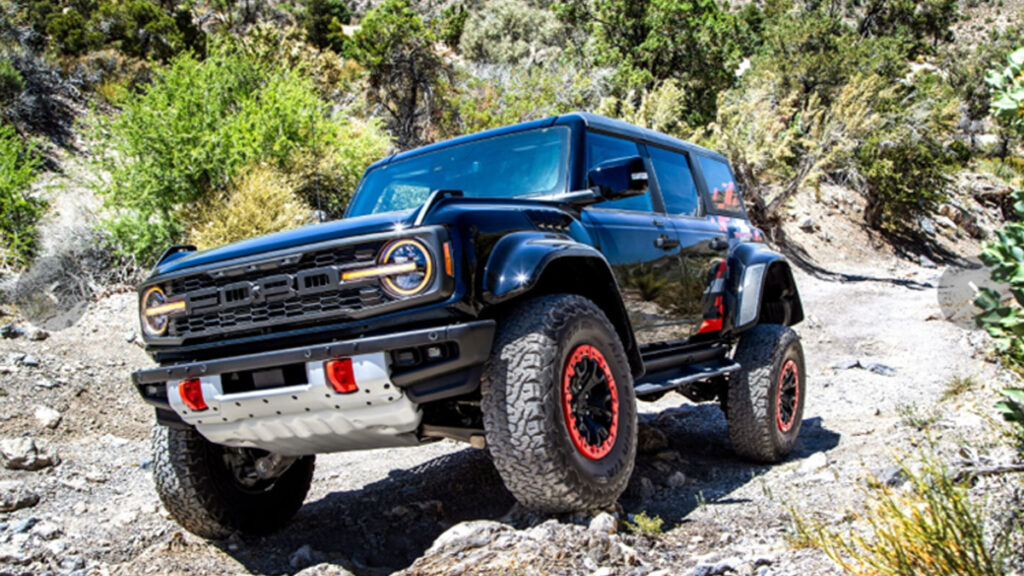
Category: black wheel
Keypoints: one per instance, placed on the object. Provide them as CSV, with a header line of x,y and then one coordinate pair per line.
x,y
558,406
765,404
213,490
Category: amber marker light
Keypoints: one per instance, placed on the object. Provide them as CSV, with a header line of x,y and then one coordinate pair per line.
x,y
448,266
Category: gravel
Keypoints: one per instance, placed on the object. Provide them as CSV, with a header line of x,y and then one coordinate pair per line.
x,y
441,508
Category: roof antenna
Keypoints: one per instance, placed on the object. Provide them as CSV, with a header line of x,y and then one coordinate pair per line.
x,y
316,169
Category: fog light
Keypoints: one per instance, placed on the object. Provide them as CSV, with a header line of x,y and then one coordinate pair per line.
x,y
434,353
340,375
191,392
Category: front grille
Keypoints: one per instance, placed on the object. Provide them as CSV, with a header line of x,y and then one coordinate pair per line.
x,y
213,311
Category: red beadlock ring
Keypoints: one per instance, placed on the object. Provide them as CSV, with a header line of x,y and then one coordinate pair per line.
x,y
789,380
571,409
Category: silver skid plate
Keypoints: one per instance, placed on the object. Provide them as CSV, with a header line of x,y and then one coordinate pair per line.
x,y
309,418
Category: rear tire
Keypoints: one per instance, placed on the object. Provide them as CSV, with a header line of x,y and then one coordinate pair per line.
x,y
200,491
558,406
765,404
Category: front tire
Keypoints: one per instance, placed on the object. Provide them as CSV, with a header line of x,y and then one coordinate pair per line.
x,y
765,405
200,490
558,406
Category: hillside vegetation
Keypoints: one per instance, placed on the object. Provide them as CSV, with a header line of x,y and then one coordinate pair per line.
x,y
175,107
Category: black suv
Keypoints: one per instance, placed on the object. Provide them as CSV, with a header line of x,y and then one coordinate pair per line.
x,y
516,289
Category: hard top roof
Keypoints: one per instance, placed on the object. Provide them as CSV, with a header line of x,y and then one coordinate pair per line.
x,y
587,119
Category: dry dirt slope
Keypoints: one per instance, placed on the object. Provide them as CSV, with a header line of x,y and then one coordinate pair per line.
x,y
378,512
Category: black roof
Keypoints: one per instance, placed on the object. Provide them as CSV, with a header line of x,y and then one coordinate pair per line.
x,y
594,121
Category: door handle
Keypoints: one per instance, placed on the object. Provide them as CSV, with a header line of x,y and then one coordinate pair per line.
x,y
719,243
665,242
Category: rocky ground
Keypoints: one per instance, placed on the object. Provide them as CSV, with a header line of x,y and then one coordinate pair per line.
x,y
887,367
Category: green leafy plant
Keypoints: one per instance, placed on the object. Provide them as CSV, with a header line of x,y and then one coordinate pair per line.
x,y
646,525
1007,87
931,527
19,211
1012,409
1004,319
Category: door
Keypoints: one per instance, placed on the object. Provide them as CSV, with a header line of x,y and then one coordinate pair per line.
x,y
697,297
641,246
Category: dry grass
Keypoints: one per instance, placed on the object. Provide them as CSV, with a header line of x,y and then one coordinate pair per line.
x,y
261,201
930,526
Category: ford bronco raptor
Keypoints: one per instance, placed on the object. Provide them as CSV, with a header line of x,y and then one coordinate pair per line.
x,y
517,289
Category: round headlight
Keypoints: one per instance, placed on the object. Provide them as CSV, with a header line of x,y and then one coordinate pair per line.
x,y
417,264
153,302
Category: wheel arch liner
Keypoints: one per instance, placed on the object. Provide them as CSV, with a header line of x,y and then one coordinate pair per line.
x,y
752,268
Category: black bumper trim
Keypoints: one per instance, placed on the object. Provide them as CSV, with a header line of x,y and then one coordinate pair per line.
x,y
474,340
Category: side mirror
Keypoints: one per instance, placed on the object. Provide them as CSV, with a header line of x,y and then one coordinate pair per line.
x,y
619,177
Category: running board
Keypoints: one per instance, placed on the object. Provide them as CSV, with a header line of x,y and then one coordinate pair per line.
x,y
691,374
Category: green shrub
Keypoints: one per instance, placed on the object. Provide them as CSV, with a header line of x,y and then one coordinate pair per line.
x,y
662,108
510,32
191,132
515,94
328,174
905,174
933,527
323,21
814,53
137,28
261,200
967,67
19,211
407,76
452,24
11,82
919,25
694,43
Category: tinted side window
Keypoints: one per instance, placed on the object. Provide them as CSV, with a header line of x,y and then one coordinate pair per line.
x,y
601,148
722,186
675,180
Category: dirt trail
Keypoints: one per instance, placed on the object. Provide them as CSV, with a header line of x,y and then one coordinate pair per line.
x,y
378,512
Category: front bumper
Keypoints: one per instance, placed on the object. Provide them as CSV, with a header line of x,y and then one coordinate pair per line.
x,y
310,417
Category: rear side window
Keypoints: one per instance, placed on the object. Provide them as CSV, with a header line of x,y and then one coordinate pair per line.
x,y
601,148
675,181
725,199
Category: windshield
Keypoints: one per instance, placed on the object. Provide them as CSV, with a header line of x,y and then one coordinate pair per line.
x,y
528,163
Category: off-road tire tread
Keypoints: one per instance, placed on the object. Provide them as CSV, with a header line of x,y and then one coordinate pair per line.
x,y
520,390
184,482
749,415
